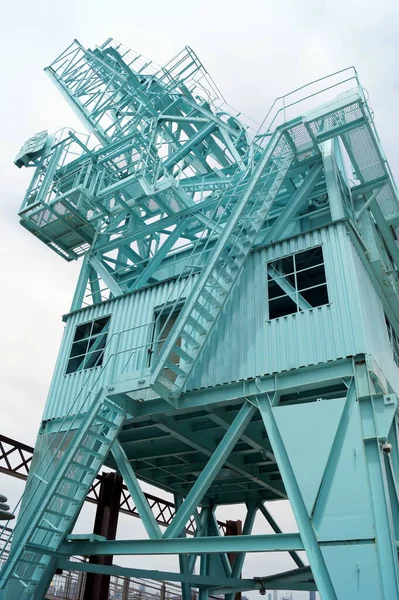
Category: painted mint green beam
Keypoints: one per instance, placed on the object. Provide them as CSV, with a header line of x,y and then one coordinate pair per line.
x,y
313,550
288,288
252,509
212,468
277,529
386,548
174,236
294,205
135,491
201,581
235,543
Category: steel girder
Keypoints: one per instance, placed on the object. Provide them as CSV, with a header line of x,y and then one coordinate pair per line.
x,y
355,435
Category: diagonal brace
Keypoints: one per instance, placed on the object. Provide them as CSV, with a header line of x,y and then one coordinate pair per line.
x,y
277,529
212,468
105,275
294,205
135,491
288,288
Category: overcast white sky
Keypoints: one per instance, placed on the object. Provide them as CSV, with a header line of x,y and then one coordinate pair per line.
x,y
254,49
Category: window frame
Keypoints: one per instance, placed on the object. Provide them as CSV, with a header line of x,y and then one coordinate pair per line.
x,y
88,340
393,340
296,287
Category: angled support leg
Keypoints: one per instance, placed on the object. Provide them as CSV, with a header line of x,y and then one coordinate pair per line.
x,y
386,546
105,275
252,508
212,468
183,558
277,529
309,539
135,491
214,530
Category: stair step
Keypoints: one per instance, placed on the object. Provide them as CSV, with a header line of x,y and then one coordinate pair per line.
x,y
53,530
201,310
97,436
82,466
57,513
70,499
195,325
230,260
221,272
175,368
189,339
217,284
91,451
210,299
24,582
105,421
240,249
183,354
74,482
31,562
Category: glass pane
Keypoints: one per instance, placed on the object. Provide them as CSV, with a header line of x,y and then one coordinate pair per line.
x,y
79,348
284,265
94,359
97,342
316,296
274,290
311,277
281,307
309,258
74,364
99,324
82,331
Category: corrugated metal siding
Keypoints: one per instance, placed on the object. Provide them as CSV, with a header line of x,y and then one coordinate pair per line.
x,y
245,344
374,326
130,327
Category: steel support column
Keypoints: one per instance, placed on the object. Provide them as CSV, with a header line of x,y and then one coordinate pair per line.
x,y
234,528
106,521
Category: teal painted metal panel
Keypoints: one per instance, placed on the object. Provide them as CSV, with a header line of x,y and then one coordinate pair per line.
x,y
256,346
373,324
245,344
130,333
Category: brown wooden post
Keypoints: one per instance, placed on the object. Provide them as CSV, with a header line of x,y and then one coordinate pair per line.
x,y
233,528
105,523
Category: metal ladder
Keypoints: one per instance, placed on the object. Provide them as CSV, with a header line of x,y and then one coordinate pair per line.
x,y
217,278
54,511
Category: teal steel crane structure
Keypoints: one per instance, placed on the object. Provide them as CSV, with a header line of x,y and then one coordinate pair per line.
x,y
234,333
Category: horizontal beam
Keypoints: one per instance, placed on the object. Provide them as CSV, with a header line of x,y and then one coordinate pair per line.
x,y
15,460
281,542
200,581
306,378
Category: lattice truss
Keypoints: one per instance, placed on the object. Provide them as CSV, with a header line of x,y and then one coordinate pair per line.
x,y
155,176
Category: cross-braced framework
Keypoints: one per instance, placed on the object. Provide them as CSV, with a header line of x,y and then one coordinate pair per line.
x,y
232,337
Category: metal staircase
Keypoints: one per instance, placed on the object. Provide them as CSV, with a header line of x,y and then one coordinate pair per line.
x,y
53,511
223,267
294,140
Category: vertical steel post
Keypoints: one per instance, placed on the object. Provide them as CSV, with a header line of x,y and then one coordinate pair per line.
x,y
233,528
106,521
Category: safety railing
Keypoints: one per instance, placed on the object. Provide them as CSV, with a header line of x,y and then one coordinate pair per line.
x,y
310,96
70,585
97,378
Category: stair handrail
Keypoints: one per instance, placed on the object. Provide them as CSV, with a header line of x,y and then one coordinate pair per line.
x,y
75,414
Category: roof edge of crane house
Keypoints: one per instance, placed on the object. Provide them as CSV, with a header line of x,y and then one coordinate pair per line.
x,y
234,333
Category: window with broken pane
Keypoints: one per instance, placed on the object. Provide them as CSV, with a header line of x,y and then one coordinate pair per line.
x,y
296,283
